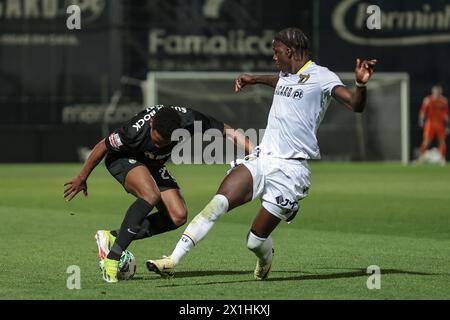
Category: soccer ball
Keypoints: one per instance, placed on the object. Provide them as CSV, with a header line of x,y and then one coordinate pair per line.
x,y
127,266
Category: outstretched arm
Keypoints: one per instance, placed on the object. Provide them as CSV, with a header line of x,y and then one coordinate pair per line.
x,y
238,138
244,79
72,187
356,101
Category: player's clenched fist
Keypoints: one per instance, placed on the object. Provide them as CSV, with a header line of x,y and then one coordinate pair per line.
x,y
364,70
242,81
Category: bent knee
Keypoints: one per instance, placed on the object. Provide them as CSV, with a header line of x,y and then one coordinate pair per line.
x,y
179,217
151,197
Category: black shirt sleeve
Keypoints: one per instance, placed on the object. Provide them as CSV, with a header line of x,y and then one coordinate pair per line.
x,y
207,122
130,136
122,140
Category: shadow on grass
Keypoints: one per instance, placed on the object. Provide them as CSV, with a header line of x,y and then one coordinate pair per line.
x,y
192,274
302,276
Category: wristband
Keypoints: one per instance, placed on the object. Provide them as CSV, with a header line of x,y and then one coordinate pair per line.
x,y
360,85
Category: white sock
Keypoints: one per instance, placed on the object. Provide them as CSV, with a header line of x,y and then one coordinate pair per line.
x,y
200,226
261,247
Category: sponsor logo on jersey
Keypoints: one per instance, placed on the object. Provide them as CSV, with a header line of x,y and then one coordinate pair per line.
x,y
298,94
284,91
288,91
151,113
114,141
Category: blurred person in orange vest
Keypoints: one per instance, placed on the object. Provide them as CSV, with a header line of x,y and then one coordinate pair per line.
x,y
433,118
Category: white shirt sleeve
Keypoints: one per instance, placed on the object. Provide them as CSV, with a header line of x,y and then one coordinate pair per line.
x,y
328,81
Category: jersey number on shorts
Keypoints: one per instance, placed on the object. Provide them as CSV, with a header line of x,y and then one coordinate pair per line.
x,y
285,202
165,174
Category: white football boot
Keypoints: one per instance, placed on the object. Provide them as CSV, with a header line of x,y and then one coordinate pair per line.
x,y
262,270
164,267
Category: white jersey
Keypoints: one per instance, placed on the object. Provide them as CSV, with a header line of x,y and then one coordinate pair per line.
x,y
299,104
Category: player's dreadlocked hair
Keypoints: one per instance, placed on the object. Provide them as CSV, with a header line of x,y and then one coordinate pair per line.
x,y
166,121
295,38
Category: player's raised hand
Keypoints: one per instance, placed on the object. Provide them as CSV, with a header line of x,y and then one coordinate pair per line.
x,y
242,81
72,187
364,70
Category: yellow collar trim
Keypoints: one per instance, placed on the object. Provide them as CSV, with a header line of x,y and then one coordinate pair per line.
x,y
304,66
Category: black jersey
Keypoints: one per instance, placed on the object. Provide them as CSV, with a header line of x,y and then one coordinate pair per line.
x,y
133,138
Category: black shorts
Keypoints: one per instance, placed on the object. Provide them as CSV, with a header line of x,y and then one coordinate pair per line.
x,y
119,168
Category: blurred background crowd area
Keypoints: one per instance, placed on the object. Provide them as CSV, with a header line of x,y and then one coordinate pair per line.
x,y
62,90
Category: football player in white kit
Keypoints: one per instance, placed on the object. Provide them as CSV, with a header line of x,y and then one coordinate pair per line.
x,y
277,172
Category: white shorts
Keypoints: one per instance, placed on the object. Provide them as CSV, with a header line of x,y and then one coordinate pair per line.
x,y
280,183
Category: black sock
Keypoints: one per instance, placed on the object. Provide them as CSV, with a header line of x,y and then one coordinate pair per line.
x,y
153,224
157,223
160,222
131,226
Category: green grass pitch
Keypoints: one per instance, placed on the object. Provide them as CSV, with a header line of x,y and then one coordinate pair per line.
x,y
393,216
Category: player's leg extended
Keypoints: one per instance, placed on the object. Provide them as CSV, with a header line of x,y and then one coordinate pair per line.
x,y
424,146
427,137
140,183
136,179
441,135
172,211
235,190
171,214
260,242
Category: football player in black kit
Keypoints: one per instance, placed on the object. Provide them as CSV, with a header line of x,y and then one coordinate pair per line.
x,y
135,156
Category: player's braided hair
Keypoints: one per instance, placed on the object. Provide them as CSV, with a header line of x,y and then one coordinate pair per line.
x,y
295,38
166,121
